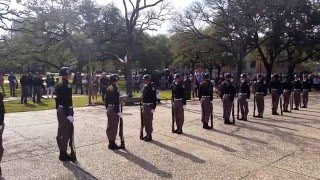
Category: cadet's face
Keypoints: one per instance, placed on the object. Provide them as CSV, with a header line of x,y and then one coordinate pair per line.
x,y
145,81
68,77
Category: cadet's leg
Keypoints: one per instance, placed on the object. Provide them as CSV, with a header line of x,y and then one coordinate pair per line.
x,y
203,111
112,128
181,117
242,106
246,108
273,100
307,99
148,120
224,102
260,104
1,132
63,135
38,94
176,113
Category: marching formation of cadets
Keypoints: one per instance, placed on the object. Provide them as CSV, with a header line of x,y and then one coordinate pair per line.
x,y
291,91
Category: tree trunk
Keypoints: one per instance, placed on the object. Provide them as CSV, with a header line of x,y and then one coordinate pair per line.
x,y
128,73
239,70
291,68
269,71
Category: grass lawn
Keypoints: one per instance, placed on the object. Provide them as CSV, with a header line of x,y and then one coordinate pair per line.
x,y
16,106
82,101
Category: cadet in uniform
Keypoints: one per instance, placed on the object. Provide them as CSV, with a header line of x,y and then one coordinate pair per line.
x,y
206,97
24,88
2,112
65,114
38,85
275,89
244,95
260,89
149,100
227,94
287,87
306,88
112,103
179,102
297,89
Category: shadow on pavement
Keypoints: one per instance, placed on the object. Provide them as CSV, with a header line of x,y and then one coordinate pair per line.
x,y
272,125
78,171
226,148
143,164
240,137
178,152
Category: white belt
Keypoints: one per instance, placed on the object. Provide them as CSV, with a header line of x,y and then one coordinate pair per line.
x,y
178,99
111,105
297,89
147,104
242,94
60,106
227,94
305,89
206,96
260,93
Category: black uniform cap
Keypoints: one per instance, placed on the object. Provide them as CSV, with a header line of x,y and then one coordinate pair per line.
x,y
177,76
65,71
276,76
147,77
259,76
114,78
228,75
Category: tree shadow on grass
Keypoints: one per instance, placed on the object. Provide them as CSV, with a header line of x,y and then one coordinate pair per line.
x,y
144,164
30,105
178,152
42,104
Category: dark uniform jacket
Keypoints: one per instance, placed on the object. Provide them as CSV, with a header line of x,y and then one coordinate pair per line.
x,y
228,88
178,92
206,89
306,85
296,85
149,95
286,85
113,97
37,82
245,88
24,81
64,96
2,109
260,87
275,84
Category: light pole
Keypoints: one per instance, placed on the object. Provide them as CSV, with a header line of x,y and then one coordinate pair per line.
x,y
90,43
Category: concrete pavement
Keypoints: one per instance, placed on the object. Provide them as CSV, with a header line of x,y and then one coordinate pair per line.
x,y
276,147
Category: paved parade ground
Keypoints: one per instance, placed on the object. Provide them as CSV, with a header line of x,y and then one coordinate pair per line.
x,y
276,147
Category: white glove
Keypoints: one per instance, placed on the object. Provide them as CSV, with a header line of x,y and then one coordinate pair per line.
x,y
152,111
70,118
184,107
120,115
